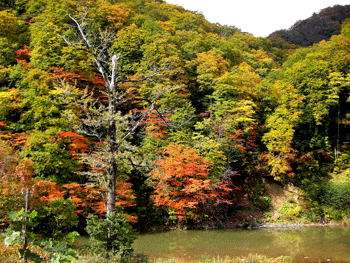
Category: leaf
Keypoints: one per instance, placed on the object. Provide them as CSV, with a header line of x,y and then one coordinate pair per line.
x,y
32,215
12,237
30,255
71,237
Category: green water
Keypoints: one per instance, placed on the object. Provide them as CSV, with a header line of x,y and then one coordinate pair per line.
x,y
304,245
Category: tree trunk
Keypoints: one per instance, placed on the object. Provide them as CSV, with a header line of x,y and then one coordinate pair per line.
x,y
113,168
112,140
24,225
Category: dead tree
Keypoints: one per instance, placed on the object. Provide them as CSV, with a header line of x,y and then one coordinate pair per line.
x,y
108,65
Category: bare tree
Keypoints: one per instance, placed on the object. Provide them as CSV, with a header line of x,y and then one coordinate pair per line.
x,y
102,122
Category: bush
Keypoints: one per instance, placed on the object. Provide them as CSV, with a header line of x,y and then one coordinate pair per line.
x,y
339,191
290,210
112,235
56,218
337,197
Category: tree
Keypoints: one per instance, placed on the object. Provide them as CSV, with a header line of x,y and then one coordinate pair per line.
x,y
111,124
25,172
281,124
182,183
11,37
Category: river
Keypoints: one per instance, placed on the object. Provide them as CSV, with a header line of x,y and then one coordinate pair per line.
x,y
303,245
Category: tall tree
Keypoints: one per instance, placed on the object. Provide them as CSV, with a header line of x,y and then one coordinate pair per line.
x,y
109,120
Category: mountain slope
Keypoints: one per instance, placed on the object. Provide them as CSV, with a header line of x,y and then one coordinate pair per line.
x,y
319,26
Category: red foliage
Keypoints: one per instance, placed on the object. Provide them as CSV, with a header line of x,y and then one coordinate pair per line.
x,y
23,55
78,143
97,80
47,191
91,199
244,141
86,198
74,76
2,124
251,141
125,194
182,182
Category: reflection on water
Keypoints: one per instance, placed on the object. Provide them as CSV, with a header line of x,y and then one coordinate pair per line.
x,y
302,245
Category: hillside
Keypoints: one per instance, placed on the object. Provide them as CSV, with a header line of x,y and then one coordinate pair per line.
x,y
319,26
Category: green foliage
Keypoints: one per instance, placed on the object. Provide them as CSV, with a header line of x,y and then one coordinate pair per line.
x,y
61,250
50,156
112,235
8,102
56,219
14,234
47,228
281,125
11,37
290,211
337,191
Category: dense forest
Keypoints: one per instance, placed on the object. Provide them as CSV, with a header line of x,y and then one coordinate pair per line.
x,y
119,116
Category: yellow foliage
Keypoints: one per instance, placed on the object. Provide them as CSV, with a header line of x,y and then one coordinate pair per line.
x,y
9,100
281,125
211,62
10,254
9,24
117,14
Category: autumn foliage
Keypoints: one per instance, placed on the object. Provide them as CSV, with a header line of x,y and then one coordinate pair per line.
x,y
182,181
156,124
87,198
23,55
77,143
74,77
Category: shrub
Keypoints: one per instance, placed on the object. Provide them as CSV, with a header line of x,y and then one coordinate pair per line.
x,y
339,191
112,235
56,218
290,210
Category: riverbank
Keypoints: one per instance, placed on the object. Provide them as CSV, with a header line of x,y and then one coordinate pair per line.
x,y
252,225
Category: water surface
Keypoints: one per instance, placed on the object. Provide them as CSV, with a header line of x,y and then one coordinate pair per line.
x,y
304,245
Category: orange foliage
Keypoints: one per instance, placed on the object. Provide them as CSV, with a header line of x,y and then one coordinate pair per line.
x,y
156,125
47,191
125,194
86,198
132,218
90,199
78,143
15,140
24,171
9,183
117,14
73,76
182,182
23,55
2,124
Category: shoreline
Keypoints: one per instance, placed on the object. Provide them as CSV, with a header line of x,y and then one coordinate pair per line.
x,y
296,225
280,226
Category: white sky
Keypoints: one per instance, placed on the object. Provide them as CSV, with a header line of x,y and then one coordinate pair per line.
x,y
259,17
